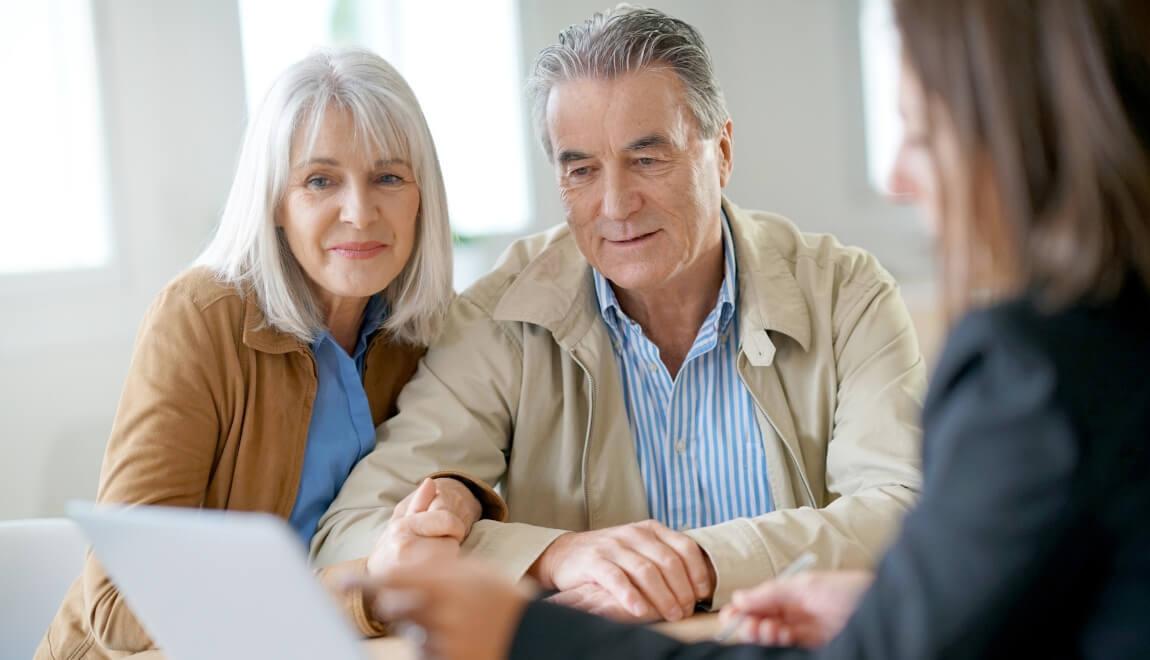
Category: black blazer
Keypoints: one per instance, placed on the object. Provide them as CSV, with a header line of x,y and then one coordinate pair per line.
x,y
1032,538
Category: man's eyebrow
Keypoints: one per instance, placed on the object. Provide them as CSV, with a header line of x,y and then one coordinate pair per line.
x,y
570,155
649,142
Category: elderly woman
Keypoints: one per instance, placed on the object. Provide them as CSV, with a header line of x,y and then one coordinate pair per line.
x,y
259,375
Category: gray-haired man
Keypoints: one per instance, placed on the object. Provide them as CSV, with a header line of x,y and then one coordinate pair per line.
x,y
677,396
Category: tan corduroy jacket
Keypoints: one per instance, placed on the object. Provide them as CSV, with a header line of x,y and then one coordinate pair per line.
x,y
522,389
214,414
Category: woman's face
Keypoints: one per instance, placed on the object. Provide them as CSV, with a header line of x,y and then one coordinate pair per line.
x,y
928,155
349,216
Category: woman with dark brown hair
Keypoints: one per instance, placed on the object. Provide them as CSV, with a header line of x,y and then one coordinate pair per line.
x,y
1028,146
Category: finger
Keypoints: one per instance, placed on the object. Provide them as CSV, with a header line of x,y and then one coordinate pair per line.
x,y
808,633
648,577
767,632
729,614
580,598
397,604
612,578
422,497
435,524
695,561
404,504
454,496
655,542
612,609
769,598
594,599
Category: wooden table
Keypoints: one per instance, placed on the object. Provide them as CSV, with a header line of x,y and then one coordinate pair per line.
x,y
698,627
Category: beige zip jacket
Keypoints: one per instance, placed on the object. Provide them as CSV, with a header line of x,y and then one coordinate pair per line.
x,y
522,391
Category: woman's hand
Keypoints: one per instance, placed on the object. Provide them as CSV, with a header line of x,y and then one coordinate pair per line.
x,y
806,610
466,610
427,526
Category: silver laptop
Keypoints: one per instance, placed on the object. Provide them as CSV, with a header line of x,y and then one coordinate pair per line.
x,y
220,585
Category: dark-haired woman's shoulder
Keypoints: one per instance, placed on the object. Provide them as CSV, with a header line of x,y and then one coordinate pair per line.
x,y
1094,355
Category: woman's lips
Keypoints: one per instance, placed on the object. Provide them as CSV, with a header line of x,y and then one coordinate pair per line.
x,y
364,250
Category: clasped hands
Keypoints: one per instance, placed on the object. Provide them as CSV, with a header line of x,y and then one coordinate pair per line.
x,y
636,572
427,526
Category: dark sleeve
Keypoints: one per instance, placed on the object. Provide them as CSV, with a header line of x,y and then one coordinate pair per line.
x,y
1000,467
997,503
558,633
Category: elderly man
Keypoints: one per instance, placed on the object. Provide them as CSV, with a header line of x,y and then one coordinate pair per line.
x,y
676,396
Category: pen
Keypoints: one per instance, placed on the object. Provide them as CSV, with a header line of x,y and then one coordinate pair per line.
x,y
802,563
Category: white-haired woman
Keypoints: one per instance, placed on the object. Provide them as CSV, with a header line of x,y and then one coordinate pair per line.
x,y
259,374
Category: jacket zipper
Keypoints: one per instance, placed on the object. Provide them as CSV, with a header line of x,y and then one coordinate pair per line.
x,y
587,435
790,453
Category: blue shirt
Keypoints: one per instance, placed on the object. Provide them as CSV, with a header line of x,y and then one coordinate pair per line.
x,y
341,430
699,444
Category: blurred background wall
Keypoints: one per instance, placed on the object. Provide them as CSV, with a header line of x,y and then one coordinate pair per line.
x,y
172,83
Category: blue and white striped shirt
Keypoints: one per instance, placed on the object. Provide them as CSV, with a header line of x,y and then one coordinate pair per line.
x,y
699,445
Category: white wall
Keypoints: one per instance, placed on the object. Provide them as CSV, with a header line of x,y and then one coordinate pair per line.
x,y
174,112
174,97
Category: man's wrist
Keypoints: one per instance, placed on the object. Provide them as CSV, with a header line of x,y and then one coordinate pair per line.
x,y
540,570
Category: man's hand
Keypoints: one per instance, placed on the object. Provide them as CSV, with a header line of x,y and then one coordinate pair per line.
x,y
467,610
652,571
805,610
594,599
451,495
428,525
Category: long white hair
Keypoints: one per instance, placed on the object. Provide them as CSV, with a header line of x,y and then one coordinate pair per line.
x,y
248,250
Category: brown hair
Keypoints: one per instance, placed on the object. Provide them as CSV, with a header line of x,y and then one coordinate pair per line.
x,y
1050,100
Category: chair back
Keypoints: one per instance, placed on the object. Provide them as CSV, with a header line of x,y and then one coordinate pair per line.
x,y
39,560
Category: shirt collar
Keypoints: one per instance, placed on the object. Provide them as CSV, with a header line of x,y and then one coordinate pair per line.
x,y
726,305
374,316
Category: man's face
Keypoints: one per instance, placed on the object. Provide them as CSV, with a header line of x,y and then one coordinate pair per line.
x,y
641,188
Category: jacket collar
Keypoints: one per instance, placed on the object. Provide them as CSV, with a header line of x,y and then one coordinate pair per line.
x,y
555,290
260,336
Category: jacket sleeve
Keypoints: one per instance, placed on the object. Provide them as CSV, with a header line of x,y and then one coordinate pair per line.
x,y
457,427
873,455
999,503
162,445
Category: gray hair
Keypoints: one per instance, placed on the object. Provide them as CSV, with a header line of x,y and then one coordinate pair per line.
x,y
248,250
624,40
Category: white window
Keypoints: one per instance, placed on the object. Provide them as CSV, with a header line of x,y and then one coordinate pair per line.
x,y
52,158
461,58
880,58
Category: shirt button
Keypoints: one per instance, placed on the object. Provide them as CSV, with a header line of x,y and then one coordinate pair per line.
x,y
680,446
653,366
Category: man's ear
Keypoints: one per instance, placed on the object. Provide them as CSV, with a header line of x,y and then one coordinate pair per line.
x,y
726,152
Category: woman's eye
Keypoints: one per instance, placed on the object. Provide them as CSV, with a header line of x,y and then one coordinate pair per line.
x,y
318,182
389,179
